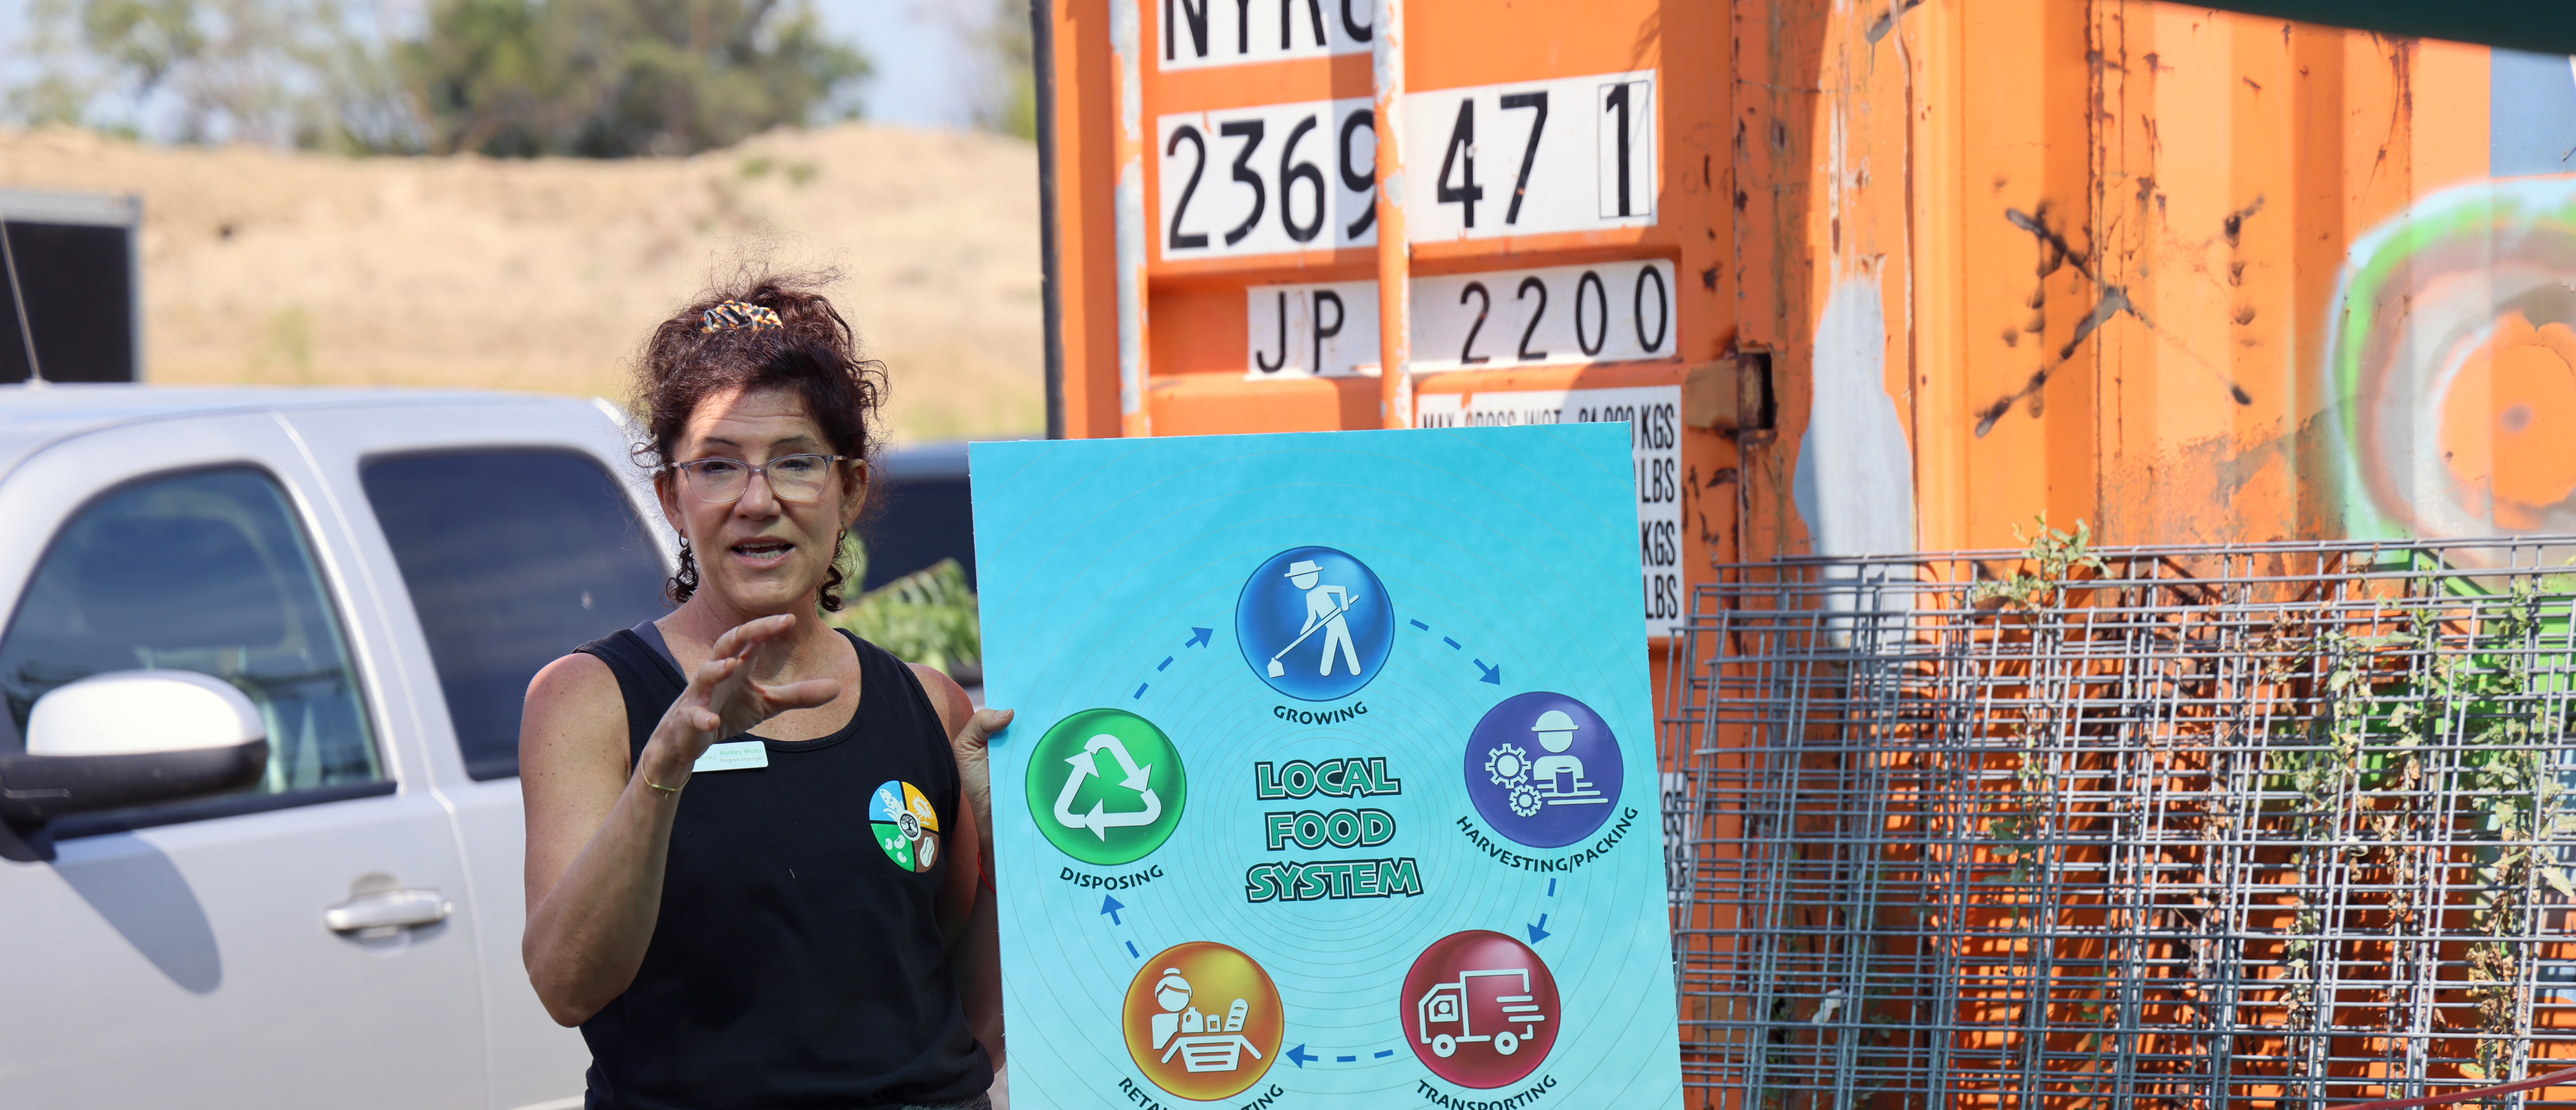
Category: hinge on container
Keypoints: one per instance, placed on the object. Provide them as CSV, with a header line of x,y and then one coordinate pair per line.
x,y
1731,395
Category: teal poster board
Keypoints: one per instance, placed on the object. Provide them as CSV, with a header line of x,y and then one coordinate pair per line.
x,y
1333,778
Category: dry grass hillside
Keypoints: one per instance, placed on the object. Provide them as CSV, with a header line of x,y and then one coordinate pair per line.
x,y
282,268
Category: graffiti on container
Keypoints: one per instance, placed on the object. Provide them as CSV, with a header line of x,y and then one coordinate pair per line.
x,y
2109,301
2451,365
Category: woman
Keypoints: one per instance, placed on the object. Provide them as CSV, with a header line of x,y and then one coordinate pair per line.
x,y
801,917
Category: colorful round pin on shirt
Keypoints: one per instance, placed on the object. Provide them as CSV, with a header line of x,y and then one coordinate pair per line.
x,y
905,824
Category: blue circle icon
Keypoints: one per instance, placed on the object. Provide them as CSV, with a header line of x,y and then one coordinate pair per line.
x,y
1544,769
1314,623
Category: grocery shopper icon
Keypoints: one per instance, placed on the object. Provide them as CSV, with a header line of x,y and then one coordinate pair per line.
x,y
1204,1041
1447,1005
1086,764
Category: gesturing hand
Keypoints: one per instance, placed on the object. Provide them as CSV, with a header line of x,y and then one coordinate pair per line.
x,y
722,699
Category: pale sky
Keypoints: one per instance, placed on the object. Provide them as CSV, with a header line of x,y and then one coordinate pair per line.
x,y
924,75
924,72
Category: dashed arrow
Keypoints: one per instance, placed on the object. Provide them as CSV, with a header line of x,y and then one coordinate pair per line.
x,y
1198,636
1299,1056
1539,931
1111,906
1492,674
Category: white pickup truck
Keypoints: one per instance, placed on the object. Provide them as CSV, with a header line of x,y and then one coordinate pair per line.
x,y
297,884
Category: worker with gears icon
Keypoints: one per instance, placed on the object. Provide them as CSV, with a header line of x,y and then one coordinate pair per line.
x,y
1548,799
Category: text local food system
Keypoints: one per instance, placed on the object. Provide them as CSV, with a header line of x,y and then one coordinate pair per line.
x,y
1333,780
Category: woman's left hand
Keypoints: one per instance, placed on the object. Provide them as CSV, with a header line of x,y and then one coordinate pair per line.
x,y
972,744
974,935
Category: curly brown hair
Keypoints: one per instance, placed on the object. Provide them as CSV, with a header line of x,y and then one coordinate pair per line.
x,y
813,352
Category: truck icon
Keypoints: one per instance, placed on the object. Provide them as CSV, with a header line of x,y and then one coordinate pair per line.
x,y
1446,1004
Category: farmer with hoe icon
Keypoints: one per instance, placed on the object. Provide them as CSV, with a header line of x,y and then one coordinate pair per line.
x,y
1322,611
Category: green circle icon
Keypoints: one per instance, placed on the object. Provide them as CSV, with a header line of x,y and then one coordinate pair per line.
x,y
1106,786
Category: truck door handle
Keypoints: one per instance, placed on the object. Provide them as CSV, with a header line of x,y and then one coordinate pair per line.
x,y
386,912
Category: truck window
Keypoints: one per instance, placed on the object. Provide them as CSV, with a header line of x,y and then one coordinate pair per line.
x,y
204,571
513,558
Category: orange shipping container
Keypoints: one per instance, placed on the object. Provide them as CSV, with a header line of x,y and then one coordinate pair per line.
x,y
1906,273
2188,275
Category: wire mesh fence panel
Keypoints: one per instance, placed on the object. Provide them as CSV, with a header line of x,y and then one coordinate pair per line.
x,y
2280,825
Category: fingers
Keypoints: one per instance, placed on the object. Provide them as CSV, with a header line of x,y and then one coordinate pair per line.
x,y
737,645
800,695
713,671
982,727
688,729
741,639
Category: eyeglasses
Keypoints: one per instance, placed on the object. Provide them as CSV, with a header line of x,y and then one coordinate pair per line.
x,y
791,477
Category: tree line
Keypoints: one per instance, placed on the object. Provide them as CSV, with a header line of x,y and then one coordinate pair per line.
x,y
595,78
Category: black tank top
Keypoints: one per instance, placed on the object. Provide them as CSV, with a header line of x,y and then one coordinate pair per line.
x,y
797,960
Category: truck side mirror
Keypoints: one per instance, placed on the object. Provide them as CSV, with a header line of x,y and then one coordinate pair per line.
x,y
129,738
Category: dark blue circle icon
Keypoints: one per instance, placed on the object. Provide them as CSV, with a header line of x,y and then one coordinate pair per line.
x,y
1544,769
1314,623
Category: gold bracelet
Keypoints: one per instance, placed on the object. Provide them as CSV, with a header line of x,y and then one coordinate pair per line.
x,y
658,786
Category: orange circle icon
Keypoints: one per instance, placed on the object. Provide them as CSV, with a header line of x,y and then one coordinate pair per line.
x,y
1203,1021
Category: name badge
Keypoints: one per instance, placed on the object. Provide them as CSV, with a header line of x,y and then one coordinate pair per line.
x,y
734,756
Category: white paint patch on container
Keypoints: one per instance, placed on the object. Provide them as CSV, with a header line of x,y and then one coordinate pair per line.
x,y
1855,478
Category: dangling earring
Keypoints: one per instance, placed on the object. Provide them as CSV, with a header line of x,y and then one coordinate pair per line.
x,y
685,582
832,579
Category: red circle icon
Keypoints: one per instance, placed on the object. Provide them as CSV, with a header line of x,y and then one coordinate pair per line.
x,y
1480,1009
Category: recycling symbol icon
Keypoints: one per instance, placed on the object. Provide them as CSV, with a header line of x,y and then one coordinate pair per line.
x,y
1106,786
1086,765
